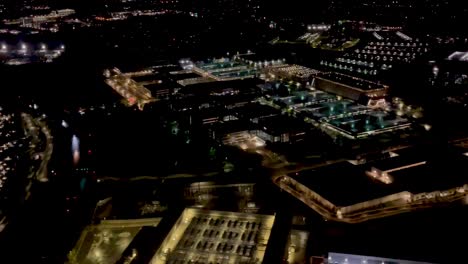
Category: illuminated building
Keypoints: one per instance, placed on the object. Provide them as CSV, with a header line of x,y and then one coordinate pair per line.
x,y
38,21
224,70
393,204
133,92
350,87
281,129
293,72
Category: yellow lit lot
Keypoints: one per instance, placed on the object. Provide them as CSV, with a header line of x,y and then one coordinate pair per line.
x,y
105,243
296,246
216,237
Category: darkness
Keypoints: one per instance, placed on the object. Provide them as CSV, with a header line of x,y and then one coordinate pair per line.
x,y
119,143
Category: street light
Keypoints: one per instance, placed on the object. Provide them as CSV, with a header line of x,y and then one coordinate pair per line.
x,y
23,47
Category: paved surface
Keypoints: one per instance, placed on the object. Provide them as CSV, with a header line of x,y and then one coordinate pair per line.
x,y
216,237
105,243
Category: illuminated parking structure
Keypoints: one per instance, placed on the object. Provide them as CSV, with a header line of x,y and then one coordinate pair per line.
x,y
216,237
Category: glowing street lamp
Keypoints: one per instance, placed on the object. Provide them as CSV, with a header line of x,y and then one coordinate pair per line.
x,y
23,47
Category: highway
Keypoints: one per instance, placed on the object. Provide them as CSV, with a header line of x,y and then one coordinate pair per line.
x,y
33,127
42,172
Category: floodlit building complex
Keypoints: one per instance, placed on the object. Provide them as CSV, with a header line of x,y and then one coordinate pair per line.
x,y
350,87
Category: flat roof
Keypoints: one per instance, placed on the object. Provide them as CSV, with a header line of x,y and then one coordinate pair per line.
x,y
219,64
105,242
144,78
306,97
278,124
241,85
341,258
351,81
158,87
216,236
255,110
235,73
181,76
344,184
427,177
259,57
369,122
334,108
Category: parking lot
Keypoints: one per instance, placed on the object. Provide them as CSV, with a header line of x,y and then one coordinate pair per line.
x,y
216,237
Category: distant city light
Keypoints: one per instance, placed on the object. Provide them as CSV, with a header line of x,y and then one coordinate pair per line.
x,y
76,149
427,127
435,70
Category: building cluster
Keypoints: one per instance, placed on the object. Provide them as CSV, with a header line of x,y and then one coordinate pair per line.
x,y
124,15
47,22
223,69
339,103
296,73
276,102
202,235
